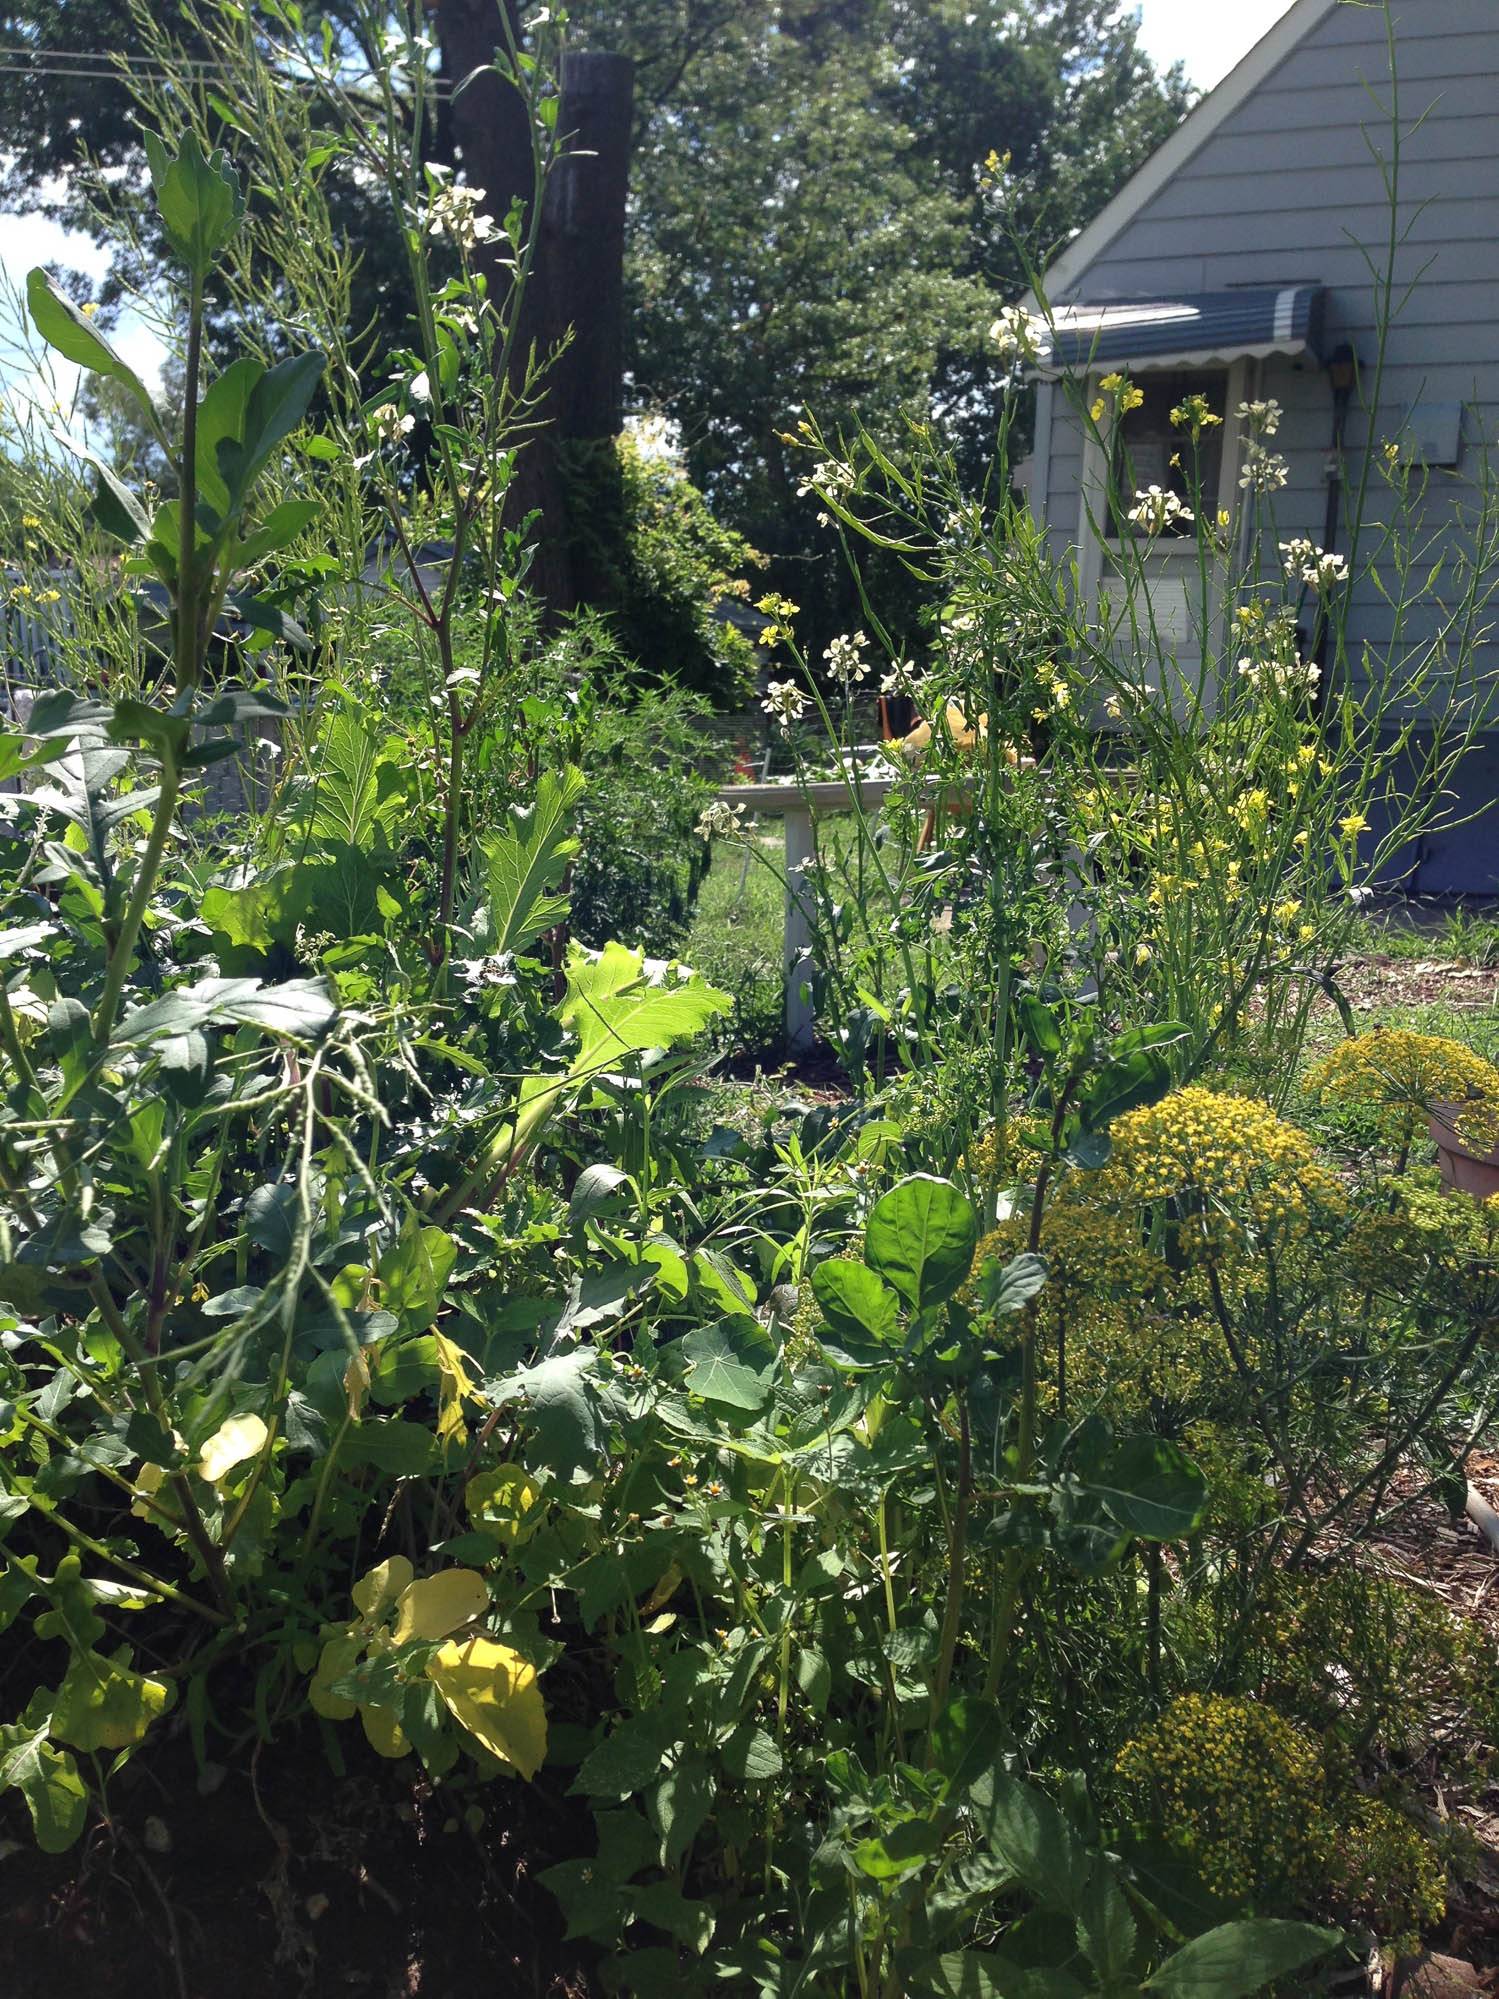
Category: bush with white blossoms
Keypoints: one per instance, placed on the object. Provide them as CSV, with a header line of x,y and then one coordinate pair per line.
x,y
1157,509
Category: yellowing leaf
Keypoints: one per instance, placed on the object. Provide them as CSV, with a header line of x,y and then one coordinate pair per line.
x,y
338,1656
385,1733
491,1691
101,1704
376,1593
231,1443
455,1385
506,1504
440,1604
357,1382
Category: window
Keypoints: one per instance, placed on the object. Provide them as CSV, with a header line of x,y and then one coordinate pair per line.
x,y
1146,441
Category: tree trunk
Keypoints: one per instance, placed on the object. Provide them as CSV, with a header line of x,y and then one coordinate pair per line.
x,y
578,273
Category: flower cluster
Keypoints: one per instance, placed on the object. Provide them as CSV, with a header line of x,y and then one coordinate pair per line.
x,y
389,425
721,821
785,703
1234,1172
1157,509
1316,567
1263,418
1018,335
1236,1788
1192,414
845,658
1264,471
1121,392
780,611
1399,1076
1280,676
454,212
830,477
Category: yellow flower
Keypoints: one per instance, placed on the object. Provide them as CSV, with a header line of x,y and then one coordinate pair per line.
x,y
1354,824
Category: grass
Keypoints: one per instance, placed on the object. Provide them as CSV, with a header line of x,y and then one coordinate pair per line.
x,y
735,941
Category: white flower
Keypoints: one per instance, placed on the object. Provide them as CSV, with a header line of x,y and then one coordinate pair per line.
x,y
1317,568
453,212
785,703
1155,509
845,658
829,477
1278,676
1263,418
1263,470
389,425
1018,335
721,821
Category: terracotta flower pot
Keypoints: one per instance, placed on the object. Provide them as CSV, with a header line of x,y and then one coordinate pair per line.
x,y
1464,1171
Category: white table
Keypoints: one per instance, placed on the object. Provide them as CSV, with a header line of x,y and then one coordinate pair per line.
x,y
797,806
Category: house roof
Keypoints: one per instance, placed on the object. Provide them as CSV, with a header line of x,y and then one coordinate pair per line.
x,y
1190,136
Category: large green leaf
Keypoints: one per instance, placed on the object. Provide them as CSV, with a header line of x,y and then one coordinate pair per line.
x,y
103,1704
48,1780
72,334
921,1238
982,1974
617,1007
198,197
277,404
1239,1958
301,1008
861,1310
1136,1072
523,865
414,1274
1040,1846
362,795
1152,1488
731,1362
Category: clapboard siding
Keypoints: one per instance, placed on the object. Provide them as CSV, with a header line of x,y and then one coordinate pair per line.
x,y
1283,191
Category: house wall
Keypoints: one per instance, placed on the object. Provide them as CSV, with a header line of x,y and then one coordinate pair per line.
x,y
1285,191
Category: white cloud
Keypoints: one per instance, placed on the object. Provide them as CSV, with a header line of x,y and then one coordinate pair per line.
x,y
32,239
1205,35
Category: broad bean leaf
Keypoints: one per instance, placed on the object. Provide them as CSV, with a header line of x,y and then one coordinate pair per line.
x,y
1239,1958
862,1311
1152,1488
921,1237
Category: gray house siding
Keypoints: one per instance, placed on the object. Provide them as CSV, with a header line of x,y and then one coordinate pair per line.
x,y
1284,191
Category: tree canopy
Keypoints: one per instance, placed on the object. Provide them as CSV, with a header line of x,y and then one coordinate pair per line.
x,y
809,221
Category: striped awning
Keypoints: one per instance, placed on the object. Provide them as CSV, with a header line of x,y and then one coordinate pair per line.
x,y
1191,331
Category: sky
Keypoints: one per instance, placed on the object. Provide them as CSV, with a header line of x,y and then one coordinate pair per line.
x,y
1207,36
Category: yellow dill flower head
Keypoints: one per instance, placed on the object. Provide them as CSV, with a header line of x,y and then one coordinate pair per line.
x,y
1399,1076
1230,1166
1237,1789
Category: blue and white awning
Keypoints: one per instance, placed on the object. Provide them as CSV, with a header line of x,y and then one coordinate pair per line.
x,y
1188,332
